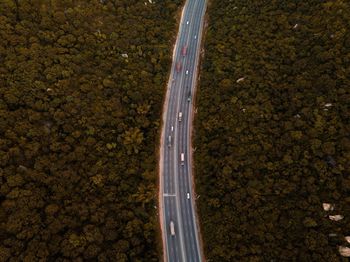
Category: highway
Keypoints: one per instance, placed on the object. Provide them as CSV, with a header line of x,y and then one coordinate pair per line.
x,y
177,198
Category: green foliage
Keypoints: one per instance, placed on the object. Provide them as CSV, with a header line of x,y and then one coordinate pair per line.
x,y
79,121
273,146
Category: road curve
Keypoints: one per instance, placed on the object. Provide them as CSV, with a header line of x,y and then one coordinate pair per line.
x,y
177,198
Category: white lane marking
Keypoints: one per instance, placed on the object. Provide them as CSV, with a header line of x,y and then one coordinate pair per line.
x,y
178,204
165,114
166,159
178,201
171,250
165,118
168,195
189,134
175,175
182,138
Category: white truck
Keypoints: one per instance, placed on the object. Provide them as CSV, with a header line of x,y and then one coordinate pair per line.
x,y
182,159
172,228
180,116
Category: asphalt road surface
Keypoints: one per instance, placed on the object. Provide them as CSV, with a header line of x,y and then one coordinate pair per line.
x,y
177,198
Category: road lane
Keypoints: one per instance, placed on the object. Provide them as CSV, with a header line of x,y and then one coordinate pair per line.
x,y
188,243
187,208
190,114
174,243
175,179
177,151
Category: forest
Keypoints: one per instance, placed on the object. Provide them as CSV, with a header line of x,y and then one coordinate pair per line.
x,y
272,131
81,91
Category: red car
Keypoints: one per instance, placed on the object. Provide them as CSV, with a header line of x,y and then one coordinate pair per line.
x,y
184,50
178,66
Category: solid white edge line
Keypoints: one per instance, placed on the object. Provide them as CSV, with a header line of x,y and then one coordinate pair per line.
x,y
194,82
161,160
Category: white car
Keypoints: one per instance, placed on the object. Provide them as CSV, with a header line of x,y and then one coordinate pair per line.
x,y
187,22
195,37
186,72
188,195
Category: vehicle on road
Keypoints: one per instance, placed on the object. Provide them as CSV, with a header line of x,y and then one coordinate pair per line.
x,y
178,66
177,211
182,159
169,141
184,50
172,228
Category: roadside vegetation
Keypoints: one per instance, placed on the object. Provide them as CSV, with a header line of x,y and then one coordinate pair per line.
x,y
81,90
272,131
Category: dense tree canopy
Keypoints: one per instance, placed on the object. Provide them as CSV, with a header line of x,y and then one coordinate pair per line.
x,y
81,89
272,130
